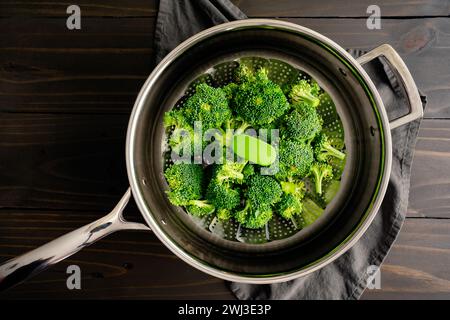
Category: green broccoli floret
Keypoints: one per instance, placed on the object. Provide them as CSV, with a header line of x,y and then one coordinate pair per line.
x,y
295,159
262,193
182,133
229,172
244,74
303,123
209,105
323,149
264,190
291,200
230,90
175,119
311,211
254,218
320,173
248,171
185,182
224,214
199,208
294,187
259,101
289,206
306,92
222,196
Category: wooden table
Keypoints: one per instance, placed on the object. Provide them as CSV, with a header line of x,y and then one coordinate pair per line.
x,y
65,99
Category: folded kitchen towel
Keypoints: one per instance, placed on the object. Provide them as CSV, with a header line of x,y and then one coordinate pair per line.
x,y
348,276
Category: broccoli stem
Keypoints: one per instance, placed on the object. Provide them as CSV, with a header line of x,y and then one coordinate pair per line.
x,y
334,152
241,128
302,95
310,99
318,176
233,175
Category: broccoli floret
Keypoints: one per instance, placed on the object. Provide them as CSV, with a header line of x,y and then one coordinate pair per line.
x,y
224,214
293,187
295,159
303,123
229,172
262,193
175,119
229,90
244,74
263,190
182,133
306,92
248,171
222,195
199,208
323,149
311,211
254,218
185,182
291,200
209,105
259,101
320,173
289,206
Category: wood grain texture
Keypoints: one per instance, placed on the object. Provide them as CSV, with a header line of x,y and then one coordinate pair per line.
x,y
258,8
99,8
62,161
417,265
124,265
430,180
46,68
341,8
136,265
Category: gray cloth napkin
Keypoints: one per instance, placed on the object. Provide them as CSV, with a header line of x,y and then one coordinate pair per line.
x,y
348,276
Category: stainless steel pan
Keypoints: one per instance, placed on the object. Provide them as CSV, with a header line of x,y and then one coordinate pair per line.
x,y
364,182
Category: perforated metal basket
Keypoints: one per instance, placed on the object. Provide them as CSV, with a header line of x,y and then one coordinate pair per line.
x,y
283,74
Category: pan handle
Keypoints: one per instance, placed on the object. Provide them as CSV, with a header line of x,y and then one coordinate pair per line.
x,y
401,70
19,269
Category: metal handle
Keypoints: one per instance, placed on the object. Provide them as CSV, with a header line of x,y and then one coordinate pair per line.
x,y
31,263
400,68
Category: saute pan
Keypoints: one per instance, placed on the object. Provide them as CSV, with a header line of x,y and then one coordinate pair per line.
x,y
210,249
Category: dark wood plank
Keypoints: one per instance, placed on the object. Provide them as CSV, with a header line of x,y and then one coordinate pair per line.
x,y
340,8
99,8
125,265
46,68
253,8
62,161
417,266
430,180
136,265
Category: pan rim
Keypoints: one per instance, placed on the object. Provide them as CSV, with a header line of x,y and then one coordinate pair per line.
x,y
368,216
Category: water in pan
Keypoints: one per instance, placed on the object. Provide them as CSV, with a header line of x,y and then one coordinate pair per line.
x,y
281,73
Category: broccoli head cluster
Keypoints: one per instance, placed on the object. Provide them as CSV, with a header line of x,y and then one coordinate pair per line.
x,y
306,179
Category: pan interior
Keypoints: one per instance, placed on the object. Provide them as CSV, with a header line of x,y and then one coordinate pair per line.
x,y
281,71
363,139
